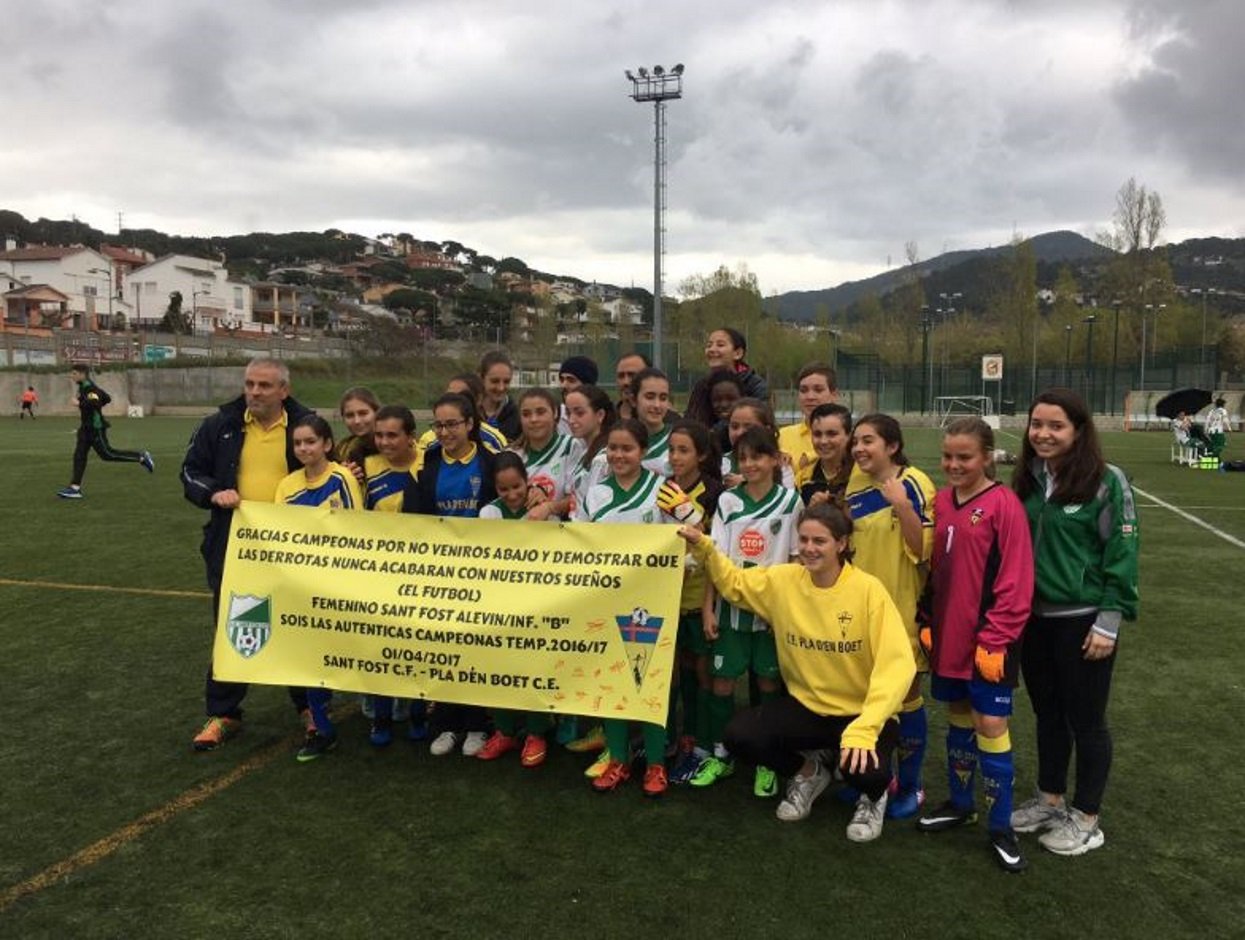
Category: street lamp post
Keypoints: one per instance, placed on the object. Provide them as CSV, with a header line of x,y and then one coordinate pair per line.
x,y
1145,311
659,86
1115,349
1089,360
1203,377
1067,356
108,279
949,302
927,368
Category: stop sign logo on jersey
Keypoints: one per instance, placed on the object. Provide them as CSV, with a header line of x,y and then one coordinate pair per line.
x,y
751,543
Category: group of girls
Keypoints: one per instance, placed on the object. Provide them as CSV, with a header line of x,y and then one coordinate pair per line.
x,y
835,645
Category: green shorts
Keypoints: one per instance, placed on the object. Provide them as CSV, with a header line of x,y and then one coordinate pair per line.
x,y
736,652
692,633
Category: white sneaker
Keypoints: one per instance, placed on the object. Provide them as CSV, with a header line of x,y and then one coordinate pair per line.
x,y
801,792
1074,834
1036,814
473,744
866,824
443,743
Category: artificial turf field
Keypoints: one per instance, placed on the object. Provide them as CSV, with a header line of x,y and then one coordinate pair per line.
x,y
113,827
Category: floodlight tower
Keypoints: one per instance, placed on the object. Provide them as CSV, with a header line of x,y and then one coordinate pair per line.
x,y
659,86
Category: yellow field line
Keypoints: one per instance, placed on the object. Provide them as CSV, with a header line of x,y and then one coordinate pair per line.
x,y
98,851
106,588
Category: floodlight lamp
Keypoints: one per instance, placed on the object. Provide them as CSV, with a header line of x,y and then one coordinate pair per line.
x,y
678,69
643,72
658,71
630,77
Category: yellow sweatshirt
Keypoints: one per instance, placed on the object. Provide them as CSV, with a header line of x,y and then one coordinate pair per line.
x,y
842,650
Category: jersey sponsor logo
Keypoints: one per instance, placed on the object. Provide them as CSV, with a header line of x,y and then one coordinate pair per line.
x,y
845,621
250,623
976,516
545,482
752,543
1072,509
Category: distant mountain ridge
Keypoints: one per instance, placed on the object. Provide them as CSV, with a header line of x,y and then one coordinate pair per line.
x,y
1050,247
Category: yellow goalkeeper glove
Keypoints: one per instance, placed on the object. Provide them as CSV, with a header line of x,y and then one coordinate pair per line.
x,y
678,505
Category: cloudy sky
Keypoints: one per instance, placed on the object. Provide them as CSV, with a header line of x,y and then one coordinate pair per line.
x,y
815,138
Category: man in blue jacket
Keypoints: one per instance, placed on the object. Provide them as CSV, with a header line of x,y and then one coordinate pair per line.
x,y
242,451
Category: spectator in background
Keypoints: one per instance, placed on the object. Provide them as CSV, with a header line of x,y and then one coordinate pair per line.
x,y
574,372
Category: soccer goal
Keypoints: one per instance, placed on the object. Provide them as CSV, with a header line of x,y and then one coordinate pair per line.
x,y
949,407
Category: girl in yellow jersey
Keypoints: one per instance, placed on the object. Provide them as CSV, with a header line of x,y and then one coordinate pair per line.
x,y
386,474
892,507
358,407
845,658
321,482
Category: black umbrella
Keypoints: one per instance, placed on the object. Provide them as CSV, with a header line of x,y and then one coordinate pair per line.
x,y
1188,400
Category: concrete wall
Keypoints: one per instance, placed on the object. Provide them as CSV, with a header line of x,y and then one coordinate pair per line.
x,y
153,389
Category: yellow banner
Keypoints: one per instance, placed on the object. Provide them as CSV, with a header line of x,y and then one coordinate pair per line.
x,y
536,616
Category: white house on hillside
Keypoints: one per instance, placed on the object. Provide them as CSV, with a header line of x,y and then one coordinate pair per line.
x,y
83,275
207,293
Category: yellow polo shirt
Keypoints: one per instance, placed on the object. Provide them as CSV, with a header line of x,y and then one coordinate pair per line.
x,y
796,441
263,463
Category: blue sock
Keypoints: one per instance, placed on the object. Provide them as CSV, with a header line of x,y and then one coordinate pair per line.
x,y
318,701
997,775
913,730
961,765
382,707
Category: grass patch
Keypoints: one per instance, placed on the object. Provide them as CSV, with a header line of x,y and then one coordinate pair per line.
x,y
104,690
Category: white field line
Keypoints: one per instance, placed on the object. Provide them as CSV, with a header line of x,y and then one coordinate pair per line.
x,y
1230,539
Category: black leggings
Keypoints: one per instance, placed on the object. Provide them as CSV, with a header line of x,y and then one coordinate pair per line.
x,y
773,735
1069,695
97,439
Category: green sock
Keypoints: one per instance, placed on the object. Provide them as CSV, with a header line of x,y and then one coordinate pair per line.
x,y
654,744
689,692
505,721
537,723
617,740
703,707
721,708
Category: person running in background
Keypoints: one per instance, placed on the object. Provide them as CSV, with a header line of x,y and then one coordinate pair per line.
x,y
29,399
1084,523
844,702
321,481
93,433
981,585
815,385
893,518
828,475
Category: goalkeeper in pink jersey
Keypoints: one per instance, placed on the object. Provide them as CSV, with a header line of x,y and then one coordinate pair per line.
x,y
981,586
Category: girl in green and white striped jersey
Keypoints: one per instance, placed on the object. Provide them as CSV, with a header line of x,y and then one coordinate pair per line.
x,y
628,494
754,526
652,404
545,452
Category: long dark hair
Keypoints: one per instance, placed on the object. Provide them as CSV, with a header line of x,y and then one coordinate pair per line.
x,y
700,401
832,409
322,429
597,401
467,408
889,431
710,462
1081,471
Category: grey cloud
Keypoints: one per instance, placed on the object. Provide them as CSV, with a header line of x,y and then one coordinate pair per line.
x,y
1185,101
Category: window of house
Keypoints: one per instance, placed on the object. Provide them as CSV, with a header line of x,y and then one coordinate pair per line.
x,y
237,298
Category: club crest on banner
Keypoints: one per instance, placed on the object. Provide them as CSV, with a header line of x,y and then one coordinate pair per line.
x,y
640,631
250,623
